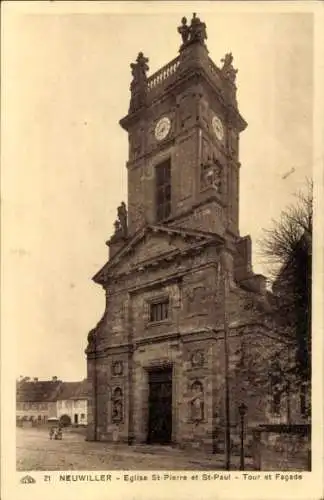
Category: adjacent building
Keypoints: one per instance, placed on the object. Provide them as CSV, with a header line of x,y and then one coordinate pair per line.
x,y
37,401
72,402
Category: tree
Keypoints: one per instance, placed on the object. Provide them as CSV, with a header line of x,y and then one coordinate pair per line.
x,y
287,247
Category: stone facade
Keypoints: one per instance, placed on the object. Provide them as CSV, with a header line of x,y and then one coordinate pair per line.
x,y
195,260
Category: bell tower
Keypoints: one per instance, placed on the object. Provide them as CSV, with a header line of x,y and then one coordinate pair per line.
x,y
183,127
177,266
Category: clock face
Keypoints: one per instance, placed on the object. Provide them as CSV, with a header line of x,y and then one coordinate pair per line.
x,y
162,128
218,128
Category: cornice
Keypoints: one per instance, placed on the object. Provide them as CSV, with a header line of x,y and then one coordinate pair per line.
x,y
172,278
102,352
195,73
155,339
180,79
189,336
203,239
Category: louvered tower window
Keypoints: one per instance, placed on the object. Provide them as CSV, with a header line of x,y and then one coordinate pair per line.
x,y
163,190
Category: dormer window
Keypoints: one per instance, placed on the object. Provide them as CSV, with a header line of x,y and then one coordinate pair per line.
x,y
163,190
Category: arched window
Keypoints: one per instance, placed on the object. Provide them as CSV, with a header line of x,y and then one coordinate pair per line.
x,y
117,406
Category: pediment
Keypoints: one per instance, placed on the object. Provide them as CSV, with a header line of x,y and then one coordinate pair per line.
x,y
152,244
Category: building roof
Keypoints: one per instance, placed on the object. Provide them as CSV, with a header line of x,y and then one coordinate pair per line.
x,y
37,391
50,390
73,390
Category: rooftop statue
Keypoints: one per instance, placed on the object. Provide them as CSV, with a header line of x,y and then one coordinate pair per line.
x,y
139,69
196,32
122,218
117,226
227,69
184,30
138,85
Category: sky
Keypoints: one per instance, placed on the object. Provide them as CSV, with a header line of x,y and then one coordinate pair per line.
x,y
65,89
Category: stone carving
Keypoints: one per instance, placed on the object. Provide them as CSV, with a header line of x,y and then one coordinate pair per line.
x,y
94,334
117,406
117,226
91,336
122,217
198,31
117,368
197,359
139,70
195,33
184,30
138,85
197,402
227,69
211,175
121,227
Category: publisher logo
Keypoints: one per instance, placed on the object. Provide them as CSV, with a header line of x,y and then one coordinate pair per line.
x,y
27,480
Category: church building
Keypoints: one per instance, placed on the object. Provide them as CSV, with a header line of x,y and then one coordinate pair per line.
x,y
184,314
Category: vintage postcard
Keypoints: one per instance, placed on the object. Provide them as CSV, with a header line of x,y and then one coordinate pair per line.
x,y
162,250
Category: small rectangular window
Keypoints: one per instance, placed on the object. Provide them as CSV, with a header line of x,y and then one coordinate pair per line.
x,y
159,311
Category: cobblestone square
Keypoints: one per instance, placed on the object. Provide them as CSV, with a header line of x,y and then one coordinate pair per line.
x,y
35,451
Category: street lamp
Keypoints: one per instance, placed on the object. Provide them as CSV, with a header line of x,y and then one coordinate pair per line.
x,y
242,411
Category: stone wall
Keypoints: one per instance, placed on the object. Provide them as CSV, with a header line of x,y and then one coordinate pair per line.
x,y
191,340
282,447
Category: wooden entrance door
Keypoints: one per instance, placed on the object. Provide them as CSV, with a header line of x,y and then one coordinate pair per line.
x,y
160,407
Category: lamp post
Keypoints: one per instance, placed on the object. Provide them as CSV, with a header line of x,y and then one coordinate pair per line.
x,y
242,411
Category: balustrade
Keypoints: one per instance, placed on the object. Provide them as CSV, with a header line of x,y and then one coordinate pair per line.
x,y
163,74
